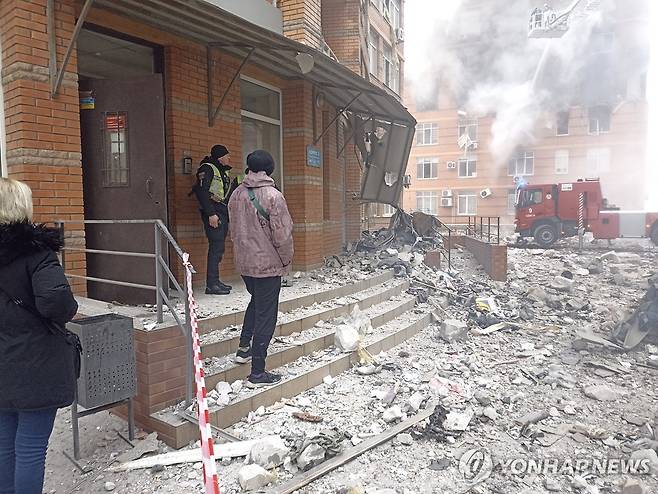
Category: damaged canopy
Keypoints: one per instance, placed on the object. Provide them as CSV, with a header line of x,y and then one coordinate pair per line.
x,y
368,104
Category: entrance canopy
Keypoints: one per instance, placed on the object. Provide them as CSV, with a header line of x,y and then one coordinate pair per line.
x,y
212,26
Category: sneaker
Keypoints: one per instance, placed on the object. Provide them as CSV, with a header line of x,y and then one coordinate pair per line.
x,y
217,290
263,379
243,355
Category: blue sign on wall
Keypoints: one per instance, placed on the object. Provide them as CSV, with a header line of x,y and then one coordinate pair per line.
x,y
313,156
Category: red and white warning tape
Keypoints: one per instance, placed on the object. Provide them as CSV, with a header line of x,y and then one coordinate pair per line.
x,y
210,478
581,210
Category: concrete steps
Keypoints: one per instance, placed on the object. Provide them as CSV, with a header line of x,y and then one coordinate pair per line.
x,y
302,351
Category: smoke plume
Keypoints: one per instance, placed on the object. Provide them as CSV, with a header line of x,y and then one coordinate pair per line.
x,y
484,59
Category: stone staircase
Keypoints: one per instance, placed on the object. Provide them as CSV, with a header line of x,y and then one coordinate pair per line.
x,y
302,350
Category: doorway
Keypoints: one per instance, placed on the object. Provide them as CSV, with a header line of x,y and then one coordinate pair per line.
x,y
123,160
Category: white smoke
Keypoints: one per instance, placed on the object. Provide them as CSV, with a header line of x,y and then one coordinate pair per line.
x,y
484,58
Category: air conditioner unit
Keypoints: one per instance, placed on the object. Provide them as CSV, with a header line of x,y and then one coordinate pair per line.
x,y
452,165
399,34
446,193
485,193
406,180
446,202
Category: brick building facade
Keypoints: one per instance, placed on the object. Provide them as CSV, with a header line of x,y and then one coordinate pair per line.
x,y
600,132
52,143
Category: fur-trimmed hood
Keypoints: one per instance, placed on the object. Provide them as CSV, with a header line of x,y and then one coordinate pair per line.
x,y
20,239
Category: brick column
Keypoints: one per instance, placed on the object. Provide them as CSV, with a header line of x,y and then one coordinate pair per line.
x,y
43,133
303,185
341,29
302,21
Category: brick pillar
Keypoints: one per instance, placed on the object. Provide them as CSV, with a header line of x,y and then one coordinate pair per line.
x,y
43,133
302,21
341,27
303,185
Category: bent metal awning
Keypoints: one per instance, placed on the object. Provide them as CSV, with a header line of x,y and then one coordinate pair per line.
x,y
212,26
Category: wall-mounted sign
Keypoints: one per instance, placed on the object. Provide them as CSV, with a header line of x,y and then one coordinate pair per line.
x,y
313,156
87,100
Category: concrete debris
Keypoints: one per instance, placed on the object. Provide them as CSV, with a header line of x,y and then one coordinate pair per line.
x,y
147,445
416,401
562,284
452,330
611,257
649,455
601,393
269,452
346,338
110,486
458,421
392,414
632,486
405,439
312,455
254,477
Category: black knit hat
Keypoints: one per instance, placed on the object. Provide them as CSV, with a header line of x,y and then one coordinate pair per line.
x,y
218,151
260,161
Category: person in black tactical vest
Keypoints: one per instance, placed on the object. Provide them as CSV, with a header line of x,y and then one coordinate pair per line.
x,y
213,189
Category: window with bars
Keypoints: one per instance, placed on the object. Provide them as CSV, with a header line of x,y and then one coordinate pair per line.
x,y
427,168
467,167
427,134
523,163
116,165
427,201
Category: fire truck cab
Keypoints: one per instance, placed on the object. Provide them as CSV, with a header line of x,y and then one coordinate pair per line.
x,y
548,212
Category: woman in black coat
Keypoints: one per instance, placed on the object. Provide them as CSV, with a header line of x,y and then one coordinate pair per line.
x,y
37,368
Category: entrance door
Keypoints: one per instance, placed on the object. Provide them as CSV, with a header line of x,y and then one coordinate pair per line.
x,y
124,174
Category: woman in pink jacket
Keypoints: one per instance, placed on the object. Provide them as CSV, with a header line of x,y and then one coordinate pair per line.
x,y
261,230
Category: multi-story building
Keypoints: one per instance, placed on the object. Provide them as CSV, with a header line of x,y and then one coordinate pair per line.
x,y
601,133
109,105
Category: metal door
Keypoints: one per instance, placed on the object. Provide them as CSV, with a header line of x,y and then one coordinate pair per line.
x,y
123,159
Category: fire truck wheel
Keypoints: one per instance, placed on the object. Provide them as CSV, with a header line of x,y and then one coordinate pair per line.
x,y
545,235
654,234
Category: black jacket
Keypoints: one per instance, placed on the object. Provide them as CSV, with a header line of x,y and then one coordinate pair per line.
x,y
36,365
201,189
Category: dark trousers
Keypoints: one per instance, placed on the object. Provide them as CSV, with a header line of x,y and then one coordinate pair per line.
x,y
23,443
260,318
216,246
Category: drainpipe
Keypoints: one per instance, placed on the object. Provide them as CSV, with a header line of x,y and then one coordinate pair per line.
x,y
3,137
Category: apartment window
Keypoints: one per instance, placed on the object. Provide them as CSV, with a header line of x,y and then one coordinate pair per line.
x,y
374,53
427,134
466,205
562,128
511,201
523,163
261,121
467,132
388,66
562,161
599,119
388,210
467,167
598,161
427,168
396,77
427,201
394,9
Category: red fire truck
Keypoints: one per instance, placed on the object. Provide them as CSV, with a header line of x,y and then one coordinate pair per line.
x,y
548,212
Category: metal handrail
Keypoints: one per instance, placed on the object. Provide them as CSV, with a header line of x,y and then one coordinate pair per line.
x,y
485,225
161,295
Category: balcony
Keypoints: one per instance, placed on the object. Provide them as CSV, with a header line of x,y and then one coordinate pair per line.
x,y
259,12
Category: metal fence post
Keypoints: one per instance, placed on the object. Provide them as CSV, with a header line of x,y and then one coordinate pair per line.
x,y
189,378
158,273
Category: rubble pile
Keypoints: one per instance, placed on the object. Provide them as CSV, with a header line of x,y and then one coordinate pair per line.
x,y
535,367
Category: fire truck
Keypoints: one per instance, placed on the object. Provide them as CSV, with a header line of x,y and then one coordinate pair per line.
x,y
548,212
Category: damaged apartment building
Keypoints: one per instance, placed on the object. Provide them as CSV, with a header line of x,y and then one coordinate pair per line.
x,y
497,105
108,107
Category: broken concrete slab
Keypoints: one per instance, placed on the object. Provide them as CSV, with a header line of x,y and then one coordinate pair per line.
x,y
458,421
313,455
392,414
269,452
562,284
254,477
632,486
143,447
601,393
453,330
